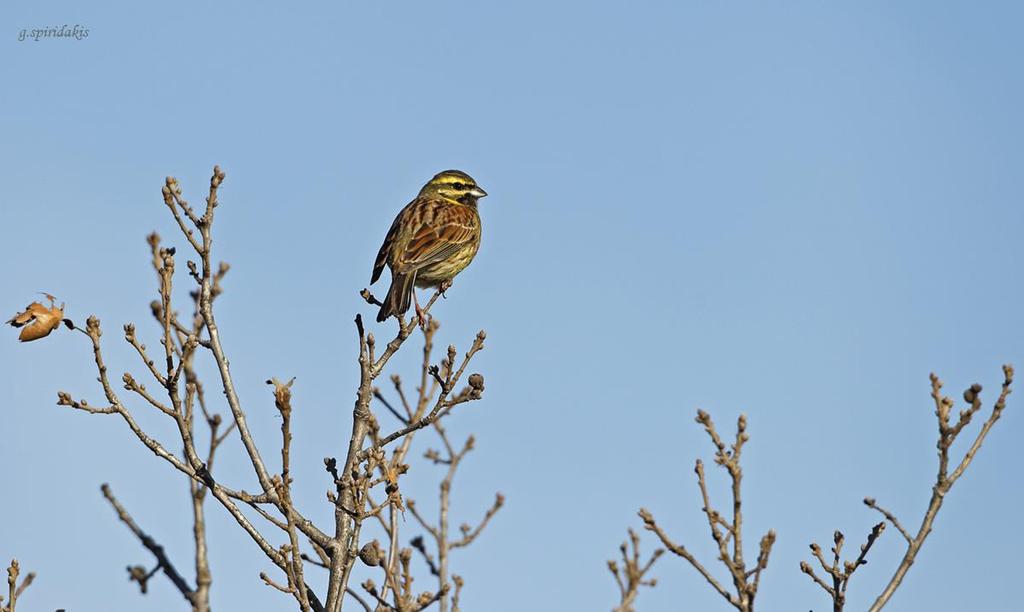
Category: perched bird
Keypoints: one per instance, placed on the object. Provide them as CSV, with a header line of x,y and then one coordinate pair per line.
x,y
432,239
37,321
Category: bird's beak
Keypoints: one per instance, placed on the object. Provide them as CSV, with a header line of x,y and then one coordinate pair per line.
x,y
476,192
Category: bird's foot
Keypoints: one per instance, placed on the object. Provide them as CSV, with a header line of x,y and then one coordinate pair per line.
x,y
421,315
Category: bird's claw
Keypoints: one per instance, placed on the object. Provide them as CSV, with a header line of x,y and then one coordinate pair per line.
x,y
421,316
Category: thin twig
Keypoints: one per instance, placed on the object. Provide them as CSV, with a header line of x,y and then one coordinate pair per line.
x,y
632,574
840,572
151,545
14,590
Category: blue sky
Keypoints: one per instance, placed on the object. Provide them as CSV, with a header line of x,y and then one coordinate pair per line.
x,y
793,210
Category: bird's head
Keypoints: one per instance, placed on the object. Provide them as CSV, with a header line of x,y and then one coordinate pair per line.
x,y
453,185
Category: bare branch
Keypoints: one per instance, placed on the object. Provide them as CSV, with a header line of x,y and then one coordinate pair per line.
x,y
470,534
441,407
282,399
632,575
163,562
651,525
840,572
944,480
14,589
365,465
889,516
723,531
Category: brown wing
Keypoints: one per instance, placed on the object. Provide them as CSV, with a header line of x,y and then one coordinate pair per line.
x,y
424,232
438,230
382,254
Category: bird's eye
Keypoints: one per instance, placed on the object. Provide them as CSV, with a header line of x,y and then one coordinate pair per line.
x,y
458,186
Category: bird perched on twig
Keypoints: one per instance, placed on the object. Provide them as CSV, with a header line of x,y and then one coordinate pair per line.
x,y
432,239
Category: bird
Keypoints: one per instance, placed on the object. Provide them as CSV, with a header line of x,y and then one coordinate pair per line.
x,y
431,240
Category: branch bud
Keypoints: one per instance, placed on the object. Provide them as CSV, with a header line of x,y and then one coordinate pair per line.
x,y
371,553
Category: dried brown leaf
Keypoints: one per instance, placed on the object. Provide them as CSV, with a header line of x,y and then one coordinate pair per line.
x,y
37,321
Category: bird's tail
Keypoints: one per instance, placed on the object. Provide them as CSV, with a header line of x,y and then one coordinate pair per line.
x,y
399,296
